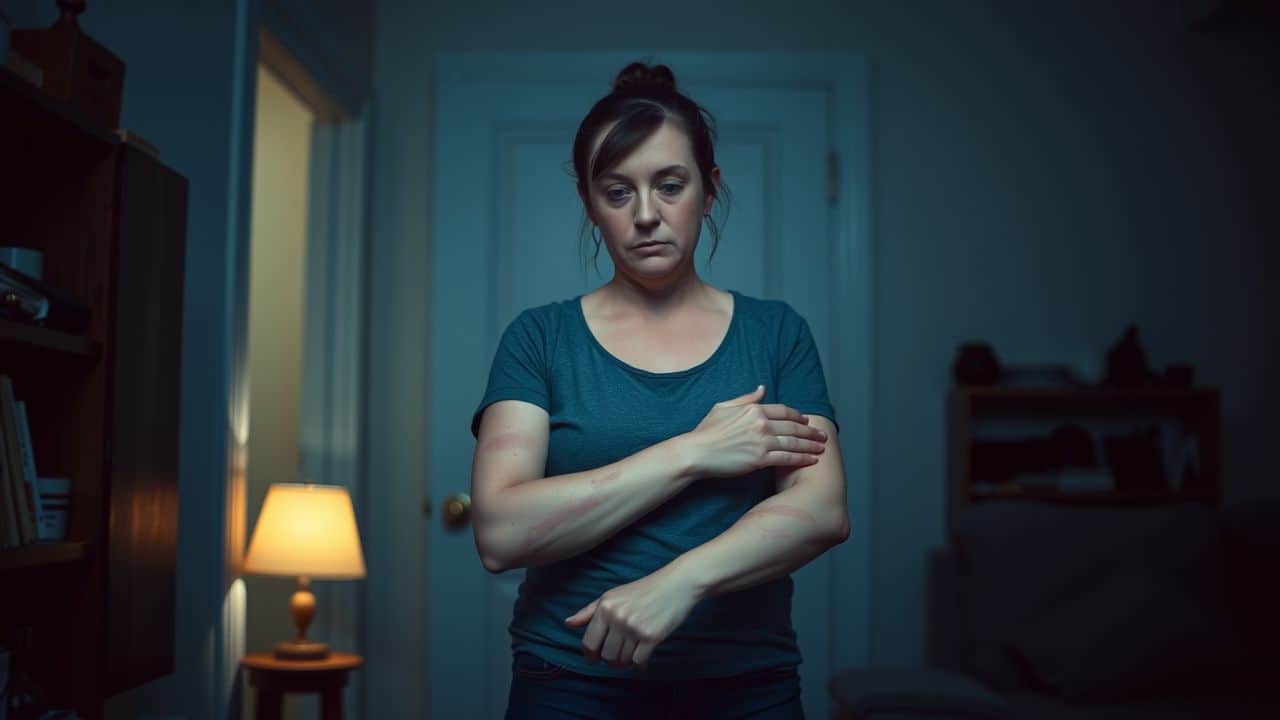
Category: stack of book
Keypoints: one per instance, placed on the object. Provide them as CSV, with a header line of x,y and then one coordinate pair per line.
x,y
20,506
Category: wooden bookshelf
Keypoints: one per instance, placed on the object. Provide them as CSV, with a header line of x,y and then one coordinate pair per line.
x,y
42,554
21,338
103,406
1195,409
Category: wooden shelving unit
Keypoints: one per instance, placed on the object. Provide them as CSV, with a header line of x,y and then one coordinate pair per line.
x,y
1196,409
42,554
16,337
103,406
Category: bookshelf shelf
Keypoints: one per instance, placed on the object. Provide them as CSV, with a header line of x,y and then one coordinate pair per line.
x,y
17,337
1119,497
42,554
1194,409
31,108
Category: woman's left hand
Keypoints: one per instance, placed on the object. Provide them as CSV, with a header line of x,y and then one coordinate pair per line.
x,y
626,623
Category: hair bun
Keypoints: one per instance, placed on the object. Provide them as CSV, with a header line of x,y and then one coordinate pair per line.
x,y
640,77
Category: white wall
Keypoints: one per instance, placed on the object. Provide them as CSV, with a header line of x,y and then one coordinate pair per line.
x,y
1044,174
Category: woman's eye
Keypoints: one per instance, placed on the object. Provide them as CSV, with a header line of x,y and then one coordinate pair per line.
x,y
616,194
670,188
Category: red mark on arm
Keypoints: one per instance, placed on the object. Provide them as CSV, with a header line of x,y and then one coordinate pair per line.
x,y
539,532
508,441
784,511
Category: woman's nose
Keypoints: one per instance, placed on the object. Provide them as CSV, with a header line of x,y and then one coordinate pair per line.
x,y
646,212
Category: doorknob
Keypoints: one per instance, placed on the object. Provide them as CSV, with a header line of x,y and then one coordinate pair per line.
x,y
457,511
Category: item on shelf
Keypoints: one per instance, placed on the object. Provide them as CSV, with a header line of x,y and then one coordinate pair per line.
x,y
1135,460
1127,362
1073,447
1085,480
1179,375
55,500
1049,375
24,260
76,69
976,364
132,138
24,698
28,299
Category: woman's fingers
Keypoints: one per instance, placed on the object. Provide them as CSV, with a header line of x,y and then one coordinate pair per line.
x,y
786,427
778,411
783,458
626,651
797,445
612,647
594,637
641,656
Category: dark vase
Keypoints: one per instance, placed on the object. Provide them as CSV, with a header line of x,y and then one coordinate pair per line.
x,y
976,364
1127,361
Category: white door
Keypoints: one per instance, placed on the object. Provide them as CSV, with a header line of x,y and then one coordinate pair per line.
x,y
506,238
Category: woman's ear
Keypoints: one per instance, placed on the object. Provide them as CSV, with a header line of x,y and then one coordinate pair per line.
x,y
709,198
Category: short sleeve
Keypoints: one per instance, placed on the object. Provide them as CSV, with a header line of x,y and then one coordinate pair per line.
x,y
800,382
519,370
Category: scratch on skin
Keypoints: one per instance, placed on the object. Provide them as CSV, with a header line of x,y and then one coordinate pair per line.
x,y
785,511
508,441
540,531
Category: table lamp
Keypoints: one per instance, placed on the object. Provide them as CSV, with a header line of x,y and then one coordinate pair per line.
x,y
305,531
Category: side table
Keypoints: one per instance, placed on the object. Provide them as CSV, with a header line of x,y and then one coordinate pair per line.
x,y
274,677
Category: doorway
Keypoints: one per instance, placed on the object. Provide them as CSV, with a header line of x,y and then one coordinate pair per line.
x,y
303,345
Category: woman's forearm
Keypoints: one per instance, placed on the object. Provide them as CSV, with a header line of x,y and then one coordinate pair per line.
x,y
778,536
542,521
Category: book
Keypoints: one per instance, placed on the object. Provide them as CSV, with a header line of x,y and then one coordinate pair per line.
x,y
8,508
13,454
29,462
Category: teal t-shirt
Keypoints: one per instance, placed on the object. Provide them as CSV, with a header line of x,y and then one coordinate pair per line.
x,y
603,410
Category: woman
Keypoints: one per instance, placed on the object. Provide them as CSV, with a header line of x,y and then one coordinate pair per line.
x,y
659,517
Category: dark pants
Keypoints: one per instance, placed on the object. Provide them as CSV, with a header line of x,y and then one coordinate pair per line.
x,y
541,690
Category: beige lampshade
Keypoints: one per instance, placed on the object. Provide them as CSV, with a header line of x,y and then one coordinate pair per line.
x,y
306,530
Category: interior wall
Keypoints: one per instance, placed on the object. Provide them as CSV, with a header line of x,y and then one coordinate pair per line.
x,y
282,157
1044,174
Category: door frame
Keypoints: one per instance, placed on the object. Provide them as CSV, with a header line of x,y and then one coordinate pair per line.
x,y
846,75
331,437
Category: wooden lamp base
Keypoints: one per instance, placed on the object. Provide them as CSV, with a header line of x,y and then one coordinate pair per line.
x,y
295,650
303,608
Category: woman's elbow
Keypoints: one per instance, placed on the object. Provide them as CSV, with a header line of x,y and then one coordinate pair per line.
x,y
842,531
490,557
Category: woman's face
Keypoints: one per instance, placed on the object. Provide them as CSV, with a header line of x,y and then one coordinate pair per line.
x,y
649,207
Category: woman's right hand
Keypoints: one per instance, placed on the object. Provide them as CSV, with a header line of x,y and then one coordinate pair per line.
x,y
739,436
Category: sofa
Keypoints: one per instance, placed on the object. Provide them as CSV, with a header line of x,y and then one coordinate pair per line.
x,y
1056,611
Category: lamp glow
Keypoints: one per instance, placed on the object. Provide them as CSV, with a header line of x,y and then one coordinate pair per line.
x,y
305,531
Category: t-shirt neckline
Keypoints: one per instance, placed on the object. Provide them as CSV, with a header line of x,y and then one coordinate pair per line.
x,y
720,349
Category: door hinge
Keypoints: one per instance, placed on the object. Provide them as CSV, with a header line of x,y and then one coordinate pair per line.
x,y
833,176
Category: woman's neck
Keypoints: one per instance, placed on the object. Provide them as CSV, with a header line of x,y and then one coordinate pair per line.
x,y
690,292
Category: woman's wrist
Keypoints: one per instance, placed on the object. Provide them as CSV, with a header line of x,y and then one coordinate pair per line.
x,y
683,453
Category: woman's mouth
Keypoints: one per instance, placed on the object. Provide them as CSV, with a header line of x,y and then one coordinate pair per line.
x,y
649,245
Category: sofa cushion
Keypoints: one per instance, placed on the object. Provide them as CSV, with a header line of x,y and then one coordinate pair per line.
x,y
878,692
1140,635
1020,558
1251,535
